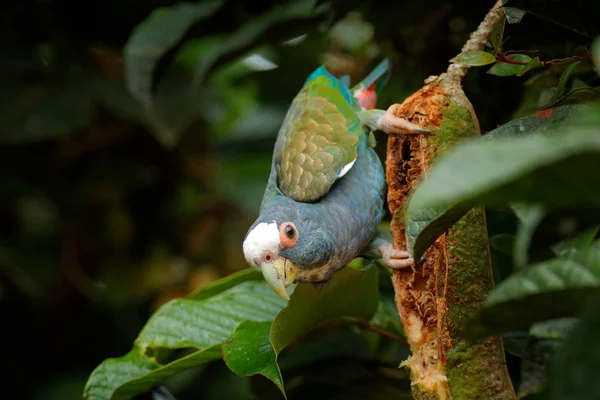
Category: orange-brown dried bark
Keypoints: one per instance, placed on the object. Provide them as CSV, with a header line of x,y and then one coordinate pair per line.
x,y
439,292
436,296
419,292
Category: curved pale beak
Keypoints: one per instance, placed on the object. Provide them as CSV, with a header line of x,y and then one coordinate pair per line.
x,y
279,274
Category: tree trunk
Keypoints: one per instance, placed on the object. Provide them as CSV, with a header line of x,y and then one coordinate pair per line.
x,y
436,297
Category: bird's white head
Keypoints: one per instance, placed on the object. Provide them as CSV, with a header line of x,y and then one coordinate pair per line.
x,y
262,249
260,242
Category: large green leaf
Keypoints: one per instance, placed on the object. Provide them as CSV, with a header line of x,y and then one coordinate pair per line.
x,y
575,367
545,121
178,100
124,377
534,365
351,294
569,248
556,288
530,216
506,167
113,372
349,379
545,232
577,96
184,323
218,286
545,337
209,51
576,15
250,352
214,319
153,37
241,314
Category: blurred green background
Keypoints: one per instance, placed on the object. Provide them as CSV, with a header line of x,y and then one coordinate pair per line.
x,y
109,209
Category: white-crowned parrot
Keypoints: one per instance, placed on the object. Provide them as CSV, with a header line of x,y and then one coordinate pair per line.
x,y
325,194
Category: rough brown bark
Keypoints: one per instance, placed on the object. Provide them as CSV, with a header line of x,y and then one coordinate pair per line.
x,y
436,297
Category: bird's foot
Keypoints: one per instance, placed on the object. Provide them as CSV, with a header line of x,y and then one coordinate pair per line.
x,y
395,259
391,124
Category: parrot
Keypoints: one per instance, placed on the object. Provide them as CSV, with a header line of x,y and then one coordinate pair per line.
x,y
324,196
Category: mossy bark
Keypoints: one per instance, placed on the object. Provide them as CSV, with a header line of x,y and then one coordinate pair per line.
x,y
437,296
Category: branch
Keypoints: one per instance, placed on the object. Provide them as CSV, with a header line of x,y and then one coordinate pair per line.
x,y
438,296
477,40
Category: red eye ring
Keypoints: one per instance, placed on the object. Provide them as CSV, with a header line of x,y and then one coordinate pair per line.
x,y
288,234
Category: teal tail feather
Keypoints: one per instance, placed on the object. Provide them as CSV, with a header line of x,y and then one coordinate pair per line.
x,y
378,77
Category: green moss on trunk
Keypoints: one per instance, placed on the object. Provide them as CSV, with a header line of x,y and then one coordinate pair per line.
x,y
474,370
442,293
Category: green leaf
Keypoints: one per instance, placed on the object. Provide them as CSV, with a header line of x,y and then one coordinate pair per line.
x,y
562,83
504,69
596,55
353,34
503,242
534,63
576,15
530,216
515,342
184,323
250,352
245,36
557,288
124,377
499,167
178,100
569,248
349,380
117,98
545,337
540,122
248,320
351,293
220,285
497,35
575,367
113,372
577,96
534,365
153,37
140,383
474,58
513,15
557,328
341,343
508,69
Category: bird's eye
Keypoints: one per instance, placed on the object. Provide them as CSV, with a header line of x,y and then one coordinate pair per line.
x,y
288,234
289,231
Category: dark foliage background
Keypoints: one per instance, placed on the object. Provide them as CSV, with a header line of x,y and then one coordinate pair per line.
x,y
102,219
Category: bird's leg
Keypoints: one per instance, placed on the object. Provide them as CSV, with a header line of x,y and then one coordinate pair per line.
x,y
388,122
380,247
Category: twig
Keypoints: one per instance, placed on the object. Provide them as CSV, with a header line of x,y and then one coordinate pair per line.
x,y
367,326
477,40
505,58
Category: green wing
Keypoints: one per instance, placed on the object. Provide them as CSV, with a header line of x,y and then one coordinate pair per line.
x,y
318,141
